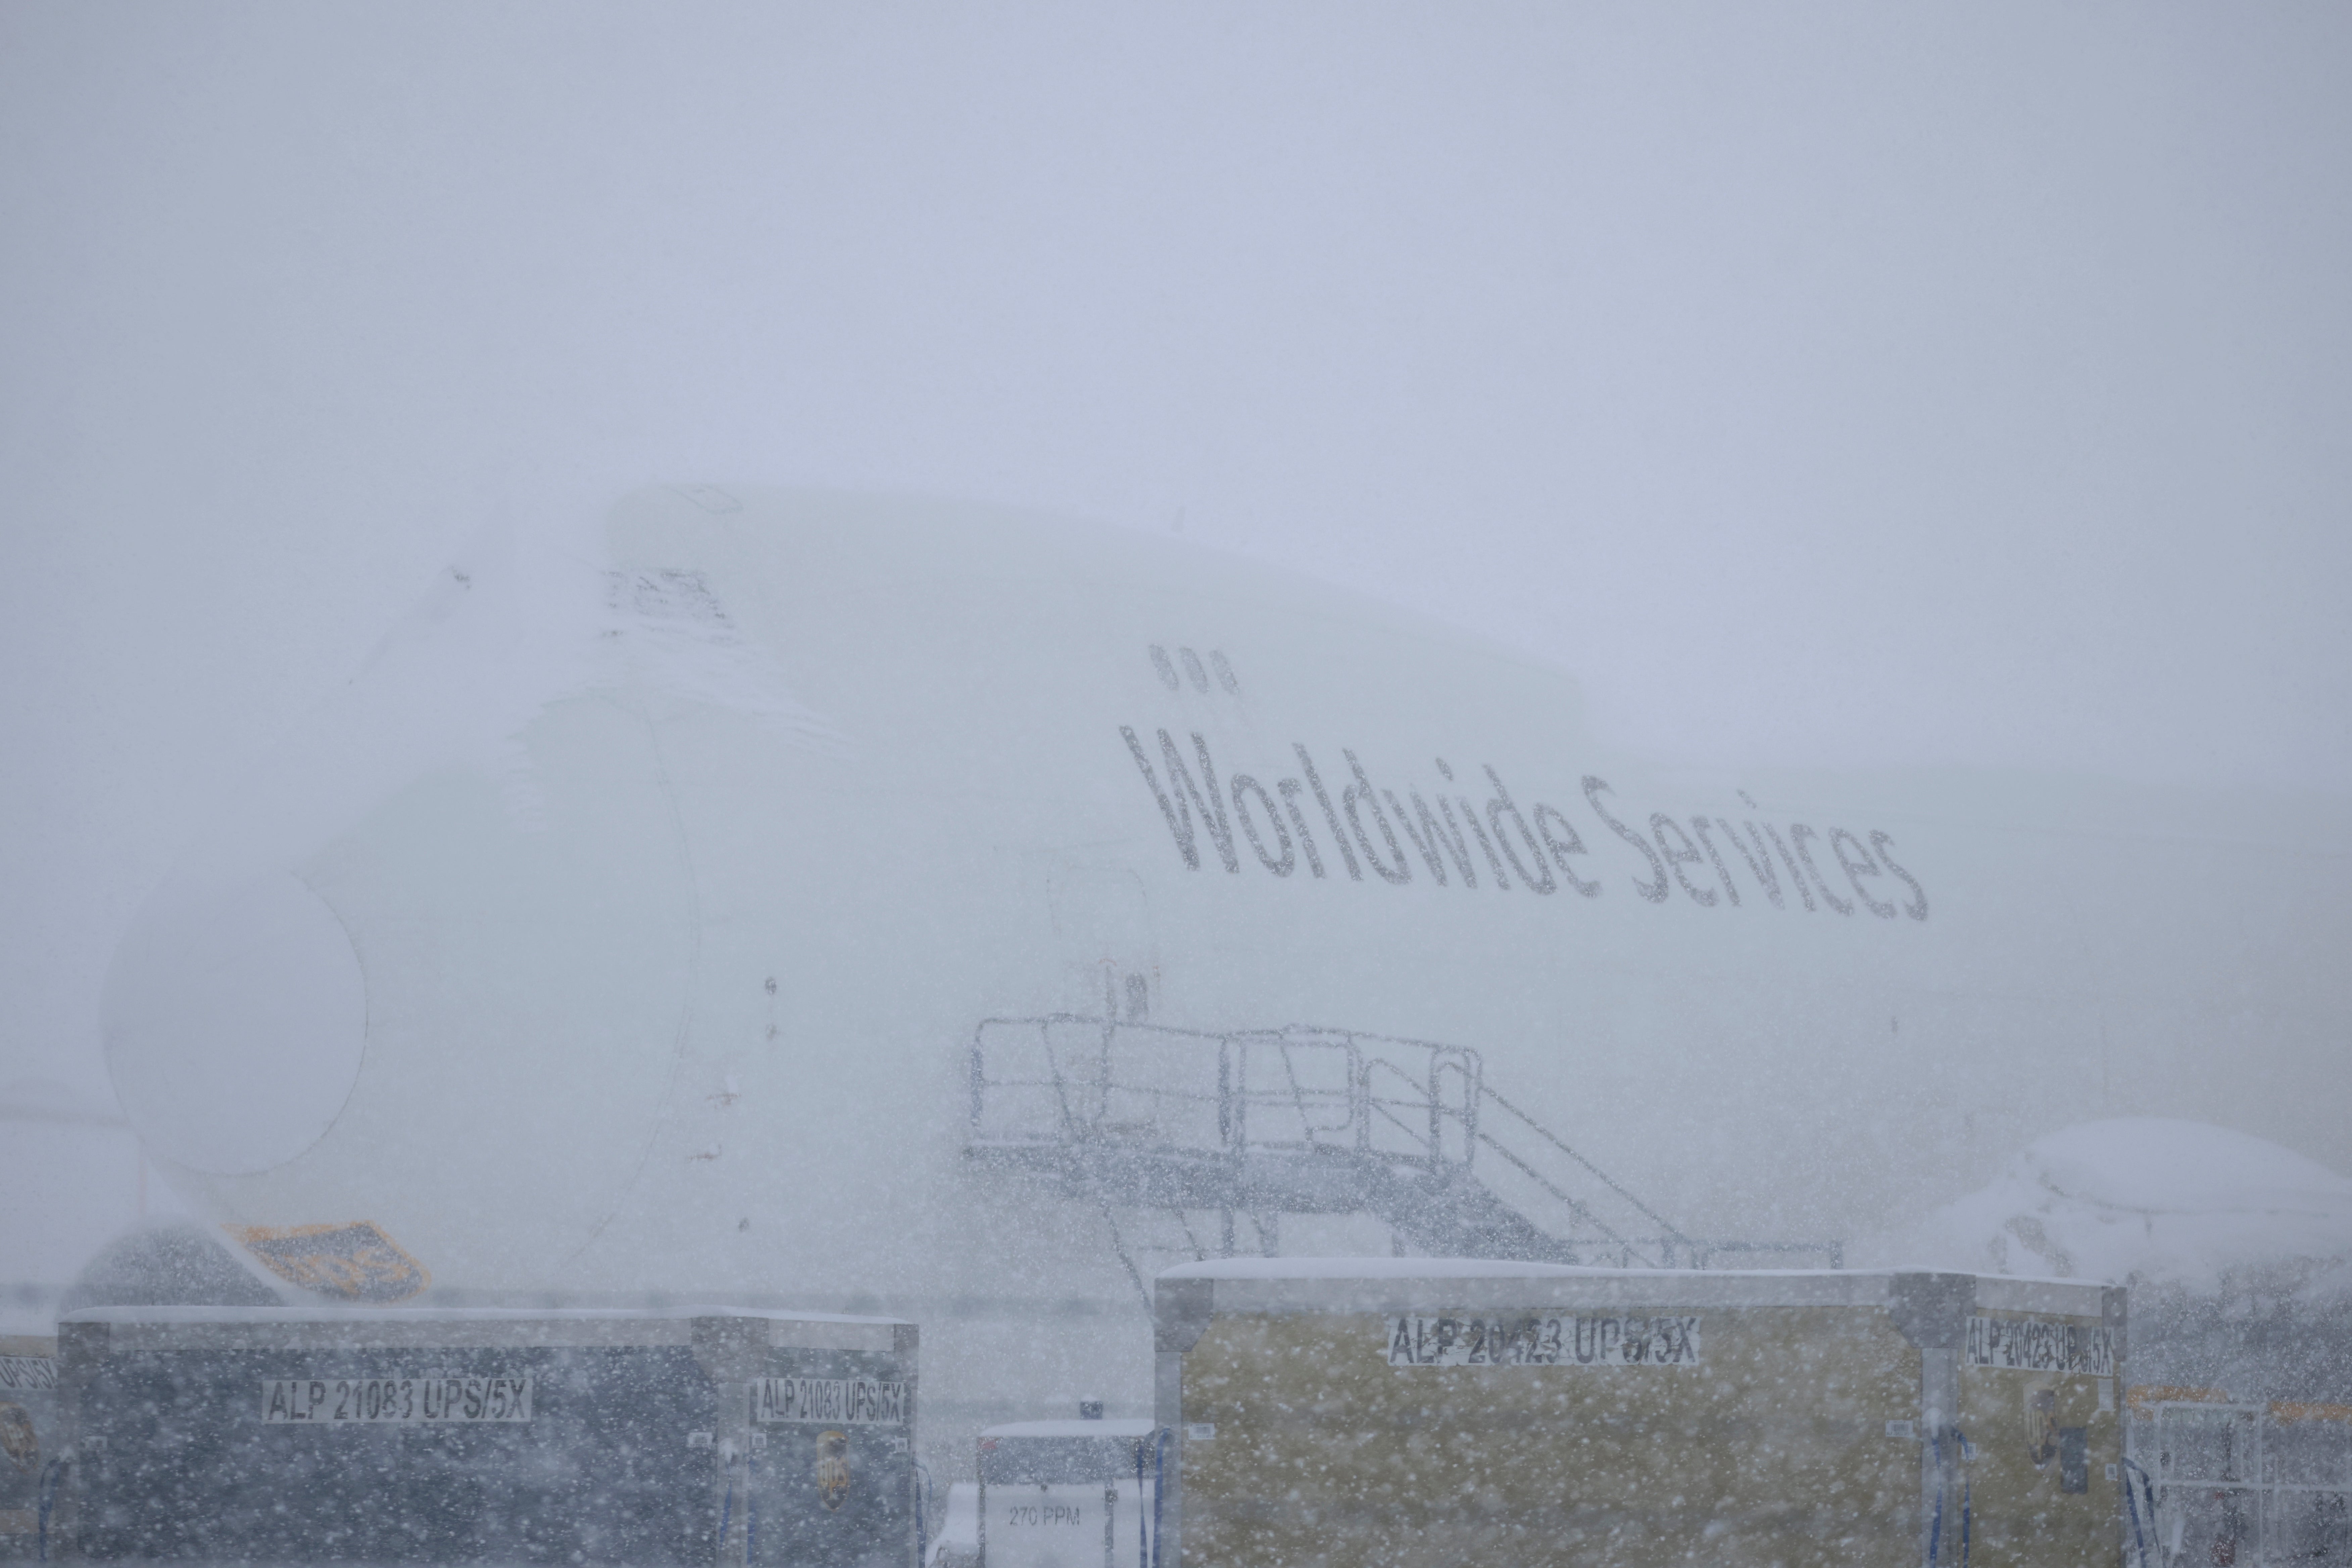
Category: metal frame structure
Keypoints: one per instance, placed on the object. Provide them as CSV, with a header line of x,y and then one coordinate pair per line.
x,y
2249,1485
1303,1119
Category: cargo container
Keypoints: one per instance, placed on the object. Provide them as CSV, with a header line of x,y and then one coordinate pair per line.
x,y
714,1437
1067,1494
2239,1417
2251,1484
1404,1412
30,1445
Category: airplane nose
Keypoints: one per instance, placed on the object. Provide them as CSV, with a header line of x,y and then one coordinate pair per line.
x,y
235,1018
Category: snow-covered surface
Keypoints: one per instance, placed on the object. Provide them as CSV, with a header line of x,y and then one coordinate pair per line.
x,y
1433,1268
1070,1429
2150,1200
449,1315
1368,1268
956,1537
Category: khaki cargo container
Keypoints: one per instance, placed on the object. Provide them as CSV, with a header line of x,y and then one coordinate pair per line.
x,y
1412,1412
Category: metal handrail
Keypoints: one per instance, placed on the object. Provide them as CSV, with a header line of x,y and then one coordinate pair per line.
x,y
1427,1111
1354,1097
1283,1044
1575,1207
1429,1097
1372,1101
1473,1071
1361,1102
1605,1179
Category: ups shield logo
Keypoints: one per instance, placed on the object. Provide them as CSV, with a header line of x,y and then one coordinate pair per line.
x,y
833,1467
18,1438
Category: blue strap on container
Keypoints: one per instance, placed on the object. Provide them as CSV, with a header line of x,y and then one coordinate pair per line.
x,y
1158,1489
1142,1525
2131,1501
922,1529
751,1513
46,1496
1936,1523
1968,1495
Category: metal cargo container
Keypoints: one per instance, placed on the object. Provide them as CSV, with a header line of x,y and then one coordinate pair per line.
x,y
707,1436
1067,1494
1404,1412
2262,1484
28,1442
2240,1421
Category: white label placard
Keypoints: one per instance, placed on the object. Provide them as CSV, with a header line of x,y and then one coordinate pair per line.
x,y
2038,1344
1535,1340
375,1401
844,1401
1055,1509
27,1371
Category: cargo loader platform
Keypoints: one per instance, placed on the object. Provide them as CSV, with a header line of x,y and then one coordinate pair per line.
x,y
1148,1120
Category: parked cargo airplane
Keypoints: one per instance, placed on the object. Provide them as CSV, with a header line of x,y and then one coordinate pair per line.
x,y
871,903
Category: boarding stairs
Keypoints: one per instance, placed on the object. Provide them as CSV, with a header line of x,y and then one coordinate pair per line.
x,y
1195,1144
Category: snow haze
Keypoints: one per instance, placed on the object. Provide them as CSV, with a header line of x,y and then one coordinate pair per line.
x,y
1826,386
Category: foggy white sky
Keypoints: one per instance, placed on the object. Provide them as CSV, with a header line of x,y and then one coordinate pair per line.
x,y
1824,384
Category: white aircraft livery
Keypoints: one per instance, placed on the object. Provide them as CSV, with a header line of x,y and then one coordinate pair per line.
x,y
882,905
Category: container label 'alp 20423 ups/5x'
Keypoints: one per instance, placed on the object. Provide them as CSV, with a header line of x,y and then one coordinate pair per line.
x,y
2038,1344
1533,1340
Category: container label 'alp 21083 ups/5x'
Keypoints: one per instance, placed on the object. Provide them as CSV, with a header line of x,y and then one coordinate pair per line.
x,y
359,1401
